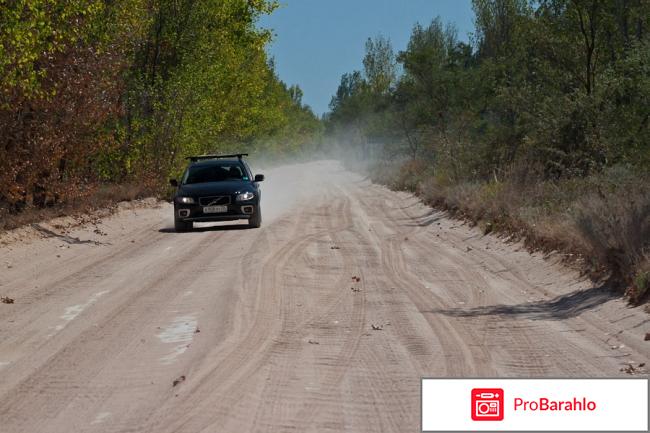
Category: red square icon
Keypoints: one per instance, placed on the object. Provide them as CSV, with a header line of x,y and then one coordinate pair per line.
x,y
487,404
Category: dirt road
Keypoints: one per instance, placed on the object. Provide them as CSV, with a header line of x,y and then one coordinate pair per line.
x,y
126,326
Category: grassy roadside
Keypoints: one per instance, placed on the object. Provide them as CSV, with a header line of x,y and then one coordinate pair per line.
x,y
106,196
601,223
100,197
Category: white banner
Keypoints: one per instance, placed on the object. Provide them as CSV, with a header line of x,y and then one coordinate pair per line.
x,y
534,404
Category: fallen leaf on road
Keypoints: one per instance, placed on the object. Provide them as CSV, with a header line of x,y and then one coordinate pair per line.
x,y
630,369
179,381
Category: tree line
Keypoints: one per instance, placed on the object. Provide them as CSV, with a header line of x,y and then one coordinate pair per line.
x,y
537,126
121,90
561,87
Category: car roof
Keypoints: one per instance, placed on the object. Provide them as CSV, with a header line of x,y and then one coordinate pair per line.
x,y
213,162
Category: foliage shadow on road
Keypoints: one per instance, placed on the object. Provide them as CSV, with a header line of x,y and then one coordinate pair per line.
x,y
427,219
559,308
64,238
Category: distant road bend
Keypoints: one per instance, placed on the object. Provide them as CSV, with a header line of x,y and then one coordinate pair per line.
x,y
322,320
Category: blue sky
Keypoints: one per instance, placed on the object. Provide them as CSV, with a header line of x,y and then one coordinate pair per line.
x,y
317,41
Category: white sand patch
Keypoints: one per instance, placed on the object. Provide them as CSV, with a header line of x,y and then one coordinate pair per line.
x,y
179,332
71,313
101,417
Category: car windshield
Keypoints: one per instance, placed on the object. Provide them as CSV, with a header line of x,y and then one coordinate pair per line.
x,y
218,172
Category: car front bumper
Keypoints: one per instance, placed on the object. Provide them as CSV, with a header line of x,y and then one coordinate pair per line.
x,y
195,212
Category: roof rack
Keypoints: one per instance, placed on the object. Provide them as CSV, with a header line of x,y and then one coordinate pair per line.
x,y
202,157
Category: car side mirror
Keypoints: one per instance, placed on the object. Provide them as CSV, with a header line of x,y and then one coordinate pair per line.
x,y
259,178
173,182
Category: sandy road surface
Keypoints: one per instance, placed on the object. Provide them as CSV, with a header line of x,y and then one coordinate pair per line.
x,y
267,326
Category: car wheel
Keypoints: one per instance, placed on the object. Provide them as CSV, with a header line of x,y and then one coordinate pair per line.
x,y
182,226
256,220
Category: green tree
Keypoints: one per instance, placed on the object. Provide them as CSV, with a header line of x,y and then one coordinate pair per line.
x,y
379,65
114,91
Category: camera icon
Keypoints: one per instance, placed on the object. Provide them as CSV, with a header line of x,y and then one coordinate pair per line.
x,y
487,404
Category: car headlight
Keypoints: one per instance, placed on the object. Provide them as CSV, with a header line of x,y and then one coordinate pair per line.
x,y
185,200
245,196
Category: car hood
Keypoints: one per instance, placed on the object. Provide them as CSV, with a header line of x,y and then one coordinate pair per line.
x,y
215,188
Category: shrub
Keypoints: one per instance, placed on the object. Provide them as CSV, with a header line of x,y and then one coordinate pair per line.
x,y
639,291
604,219
614,223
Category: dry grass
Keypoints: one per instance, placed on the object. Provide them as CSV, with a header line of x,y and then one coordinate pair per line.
x,y
616,229
640,288
601,223
102,196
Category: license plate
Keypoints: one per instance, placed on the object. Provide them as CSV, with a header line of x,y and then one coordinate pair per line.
x,y
215,209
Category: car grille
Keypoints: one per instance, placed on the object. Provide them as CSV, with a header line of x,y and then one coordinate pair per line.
x,y
213,201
